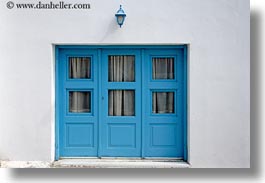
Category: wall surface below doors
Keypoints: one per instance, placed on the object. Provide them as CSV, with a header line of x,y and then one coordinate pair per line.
x,y
219,70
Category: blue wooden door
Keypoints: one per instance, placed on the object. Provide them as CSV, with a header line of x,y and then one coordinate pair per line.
x,y
77,94
163,111
120,121
121,102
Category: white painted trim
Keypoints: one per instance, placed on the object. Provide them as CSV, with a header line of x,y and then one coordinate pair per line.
x,y
53,107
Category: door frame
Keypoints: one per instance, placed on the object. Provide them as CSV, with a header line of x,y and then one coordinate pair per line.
x,y
59,48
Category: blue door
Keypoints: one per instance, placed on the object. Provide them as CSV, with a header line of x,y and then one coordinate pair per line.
x,y
163,90
121,101
77,108
120,121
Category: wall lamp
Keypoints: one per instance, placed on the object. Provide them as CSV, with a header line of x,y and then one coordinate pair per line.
x,y
120,16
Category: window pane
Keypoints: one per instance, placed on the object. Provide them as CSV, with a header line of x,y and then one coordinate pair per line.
x,y
163,68
163,102
79,68
79,102
121,69
121,103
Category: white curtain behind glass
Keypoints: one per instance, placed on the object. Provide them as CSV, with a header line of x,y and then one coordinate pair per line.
x,y
163,102
79,68
80,102
121,69
163,68
121,102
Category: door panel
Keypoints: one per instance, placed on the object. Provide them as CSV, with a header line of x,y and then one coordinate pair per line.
x,y
78,129
162,122
121,98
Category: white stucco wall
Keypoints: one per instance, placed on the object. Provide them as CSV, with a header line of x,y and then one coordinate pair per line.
x,y
219,76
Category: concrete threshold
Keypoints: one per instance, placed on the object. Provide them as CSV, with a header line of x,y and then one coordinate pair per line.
x,y
119,163
97,163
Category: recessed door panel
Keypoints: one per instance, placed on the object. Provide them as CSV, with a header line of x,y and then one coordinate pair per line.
x,y
80,135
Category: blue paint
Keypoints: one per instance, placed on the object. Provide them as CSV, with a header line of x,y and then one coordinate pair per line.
x,y
101,102
143,71
185,103
144,135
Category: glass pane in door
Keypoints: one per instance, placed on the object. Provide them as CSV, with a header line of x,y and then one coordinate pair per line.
x,y
163,68
163,102
121,68
121,103
79,68
79,102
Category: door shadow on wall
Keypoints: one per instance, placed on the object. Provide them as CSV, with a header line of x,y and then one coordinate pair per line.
x,y
162,174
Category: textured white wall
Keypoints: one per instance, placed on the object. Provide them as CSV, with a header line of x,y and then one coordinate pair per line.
x,y
218,34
